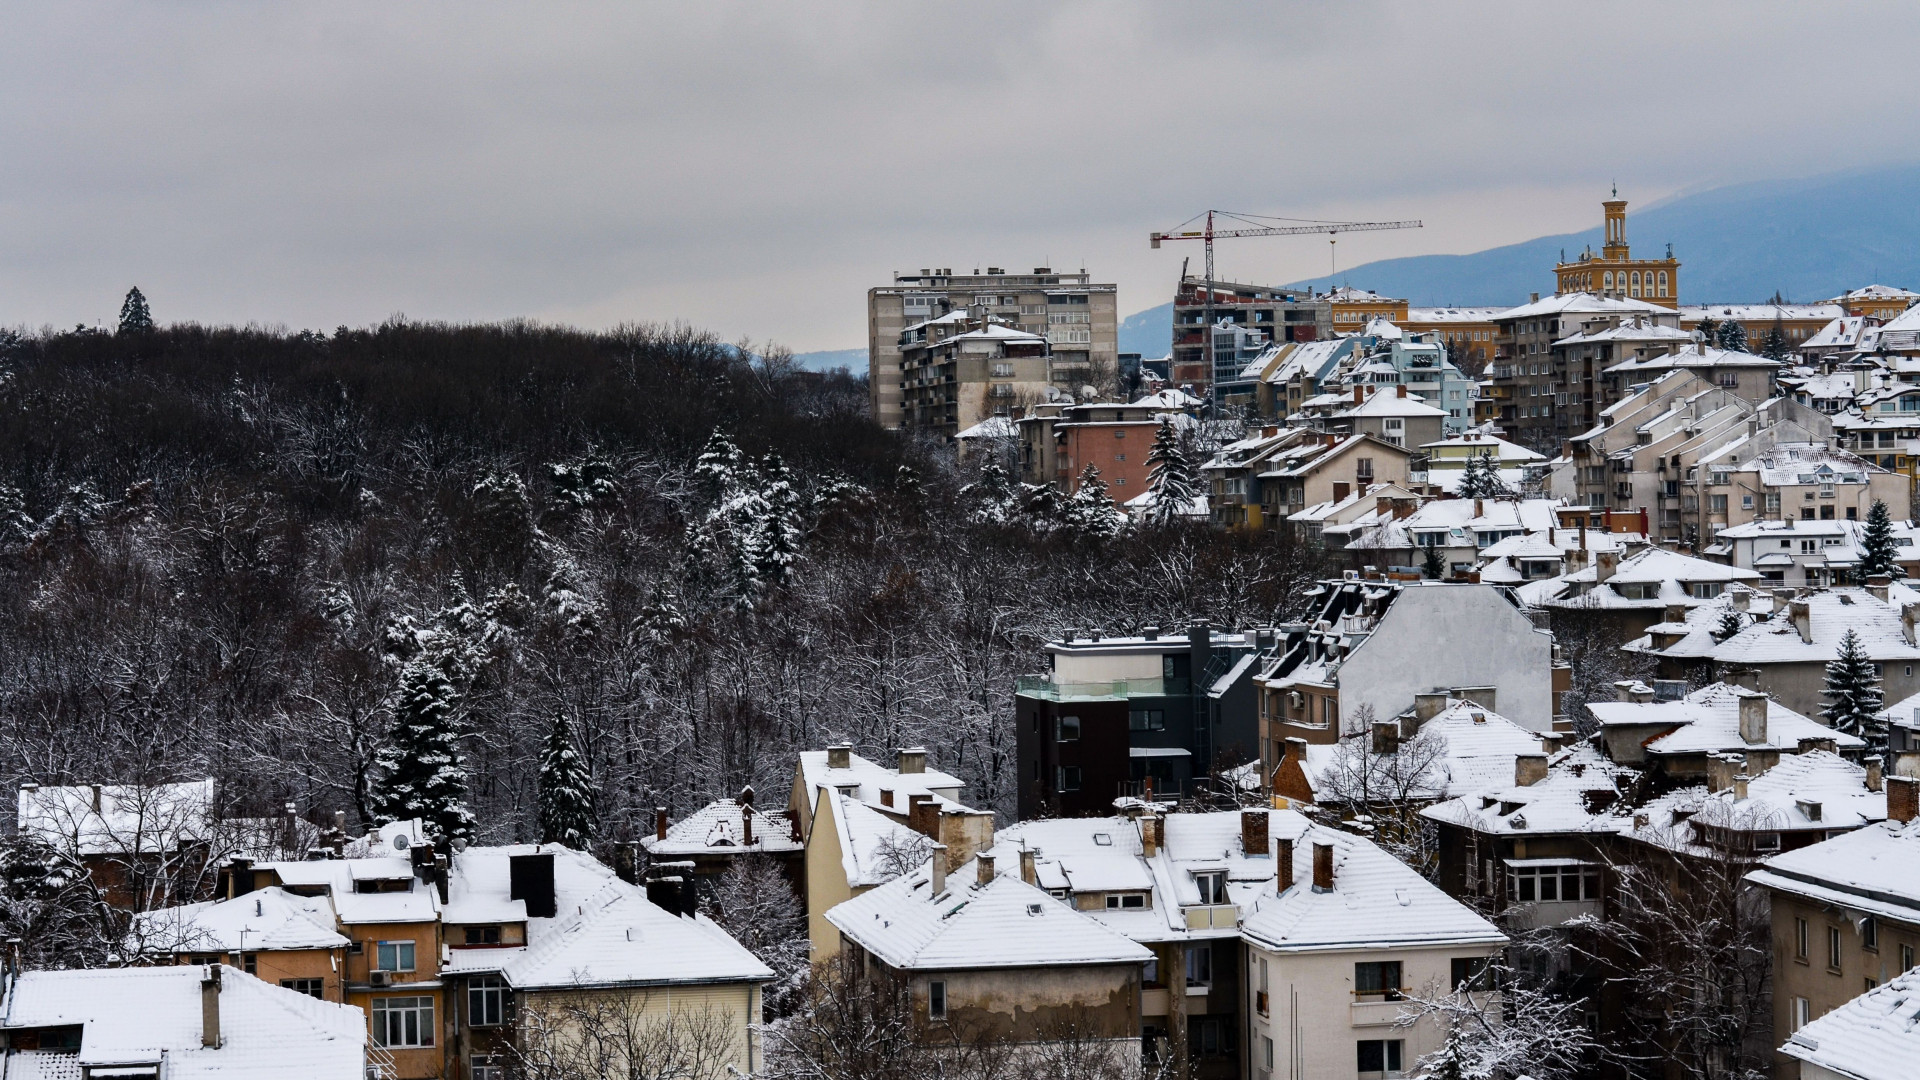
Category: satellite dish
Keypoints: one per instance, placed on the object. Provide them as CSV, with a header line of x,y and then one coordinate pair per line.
x,y
399,841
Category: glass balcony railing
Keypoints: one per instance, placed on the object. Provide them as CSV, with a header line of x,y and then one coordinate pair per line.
x,y
1039,686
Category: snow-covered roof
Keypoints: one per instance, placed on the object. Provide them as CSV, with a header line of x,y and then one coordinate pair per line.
x,y
1347,294
118,818
1814,790
1005,923
1873,870
1170,398
1453,314
1377,902
1670,571
1698,356
1708,720
866,838
1475,443
993,427
1875,292
1842,332
1807,463
994,332
865,780
266,919
1751,313
406,903
1875,1036
1463,748
1831,613
1580,302
1382,404
139,1016
1581,793
719,828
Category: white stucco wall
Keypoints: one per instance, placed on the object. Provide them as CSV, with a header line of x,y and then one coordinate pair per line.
x,y
1436,636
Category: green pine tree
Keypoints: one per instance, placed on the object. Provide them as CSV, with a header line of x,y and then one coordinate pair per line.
x,y
135,318
1431,563
566,790
1482,479
422,774
1876,544
1852,696
1172,477
1730,624
1709,330
1774,345
1731,336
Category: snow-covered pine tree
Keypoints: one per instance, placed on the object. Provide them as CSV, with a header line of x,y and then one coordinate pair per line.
x,y
422,774
135,318
1042,506
1431,564
1172,477
1774,345
1482,479
1876,543
991,498
717,471
1091,514
774,540
566,790
1852,695
1731,336
1730,624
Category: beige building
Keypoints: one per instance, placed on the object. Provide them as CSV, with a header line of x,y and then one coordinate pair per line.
x,y
1075,317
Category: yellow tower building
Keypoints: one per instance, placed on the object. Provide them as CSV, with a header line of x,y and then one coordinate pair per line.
x,y
1615,272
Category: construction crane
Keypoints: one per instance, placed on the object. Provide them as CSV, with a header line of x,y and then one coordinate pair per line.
x,y
1256,225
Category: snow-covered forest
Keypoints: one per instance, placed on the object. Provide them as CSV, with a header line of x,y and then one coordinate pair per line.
x,y
225,549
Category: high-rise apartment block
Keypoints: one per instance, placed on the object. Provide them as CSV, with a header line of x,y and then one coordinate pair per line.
x,y
1069,337
1282,315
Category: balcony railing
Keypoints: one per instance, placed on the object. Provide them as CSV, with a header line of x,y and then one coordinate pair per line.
x,y
1117,689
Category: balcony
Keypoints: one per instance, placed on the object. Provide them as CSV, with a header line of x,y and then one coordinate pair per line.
x,y
1039,686
1211,916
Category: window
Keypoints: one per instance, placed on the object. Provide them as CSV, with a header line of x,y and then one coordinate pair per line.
x,y
1800,940
1200,964
310,987
1833,948
1150,972
1330,710
1797,1017
1069,778
1906,958
1377,979
936,1000
1066,729
1212,886
1378,1058
486,1001
403,1021
1870,934
1663,283
1553,882
1266,1052
394,956
1147,720
1470,972
1121,901
484,1067
483,935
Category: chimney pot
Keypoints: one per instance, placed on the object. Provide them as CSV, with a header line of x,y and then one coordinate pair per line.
x,y
1283,865
1253,832
210,1007
1322,866
1753,717
1028,872
1876,777
1529,769
939,869
983,864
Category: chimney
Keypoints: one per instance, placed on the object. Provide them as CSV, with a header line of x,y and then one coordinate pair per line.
x,y
1876,778
1878,585
1253,832
1400,390
939,868
659,823
1534,299
1909,615
1903,798
1478,507
1529,769
1720,770
1283,866
209,1006
1802,617
1429,705
339,833
1740,786
1604,564
1386,736
1907,763
913,759
1623,689
840,756
1753,716
1149,835
1028,872
530,880
983,864
923,815
746,824
1550,742
1741,598
96,809
1322,866
1359,395
1159,831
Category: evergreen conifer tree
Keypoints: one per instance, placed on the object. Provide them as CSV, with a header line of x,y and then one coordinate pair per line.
x,y
566,790
1852,695
1730,624
1431,563
1731,336
1876,544
1091,513
777,526
1482,479
423,776
991,496
1172,477
717,470
1709,331
1774,345
1043,506
135,318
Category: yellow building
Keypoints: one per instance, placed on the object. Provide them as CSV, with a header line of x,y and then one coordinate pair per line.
x,y
1467,332
1354,308
1615,272
1882,302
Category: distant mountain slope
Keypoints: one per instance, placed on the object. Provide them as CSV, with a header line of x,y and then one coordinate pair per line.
x,y
1807,239
1149,332
854,360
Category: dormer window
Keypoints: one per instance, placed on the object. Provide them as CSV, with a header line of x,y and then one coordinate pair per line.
x,y
1212,886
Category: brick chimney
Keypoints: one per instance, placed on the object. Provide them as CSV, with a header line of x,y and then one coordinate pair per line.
x,y
659,823
983,863
1720,769
1903,798
1149,838
913,759
1253,832
1429,705
1529,769
840,756
923,815
210,1007
1753,716
1876,778
1604,564
1802,616
1029,873
1322,866
746,824
1283,865
1160,830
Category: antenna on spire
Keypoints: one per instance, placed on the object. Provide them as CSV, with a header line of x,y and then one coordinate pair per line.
x,y
1616,189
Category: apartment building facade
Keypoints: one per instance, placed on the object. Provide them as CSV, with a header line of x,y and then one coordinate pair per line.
x,y
1075,316
1539,395
1283,315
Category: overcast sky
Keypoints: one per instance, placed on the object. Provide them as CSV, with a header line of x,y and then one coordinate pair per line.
x,y
754,168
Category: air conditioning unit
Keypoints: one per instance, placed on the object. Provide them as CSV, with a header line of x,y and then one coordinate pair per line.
x,y
381,978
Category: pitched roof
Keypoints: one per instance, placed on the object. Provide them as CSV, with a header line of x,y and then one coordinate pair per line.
x,y
1581,793
1463,748
265,919
135,1016
1876,1036
1005,923
1831,614
130,817
1708,719
1874,870
719,828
